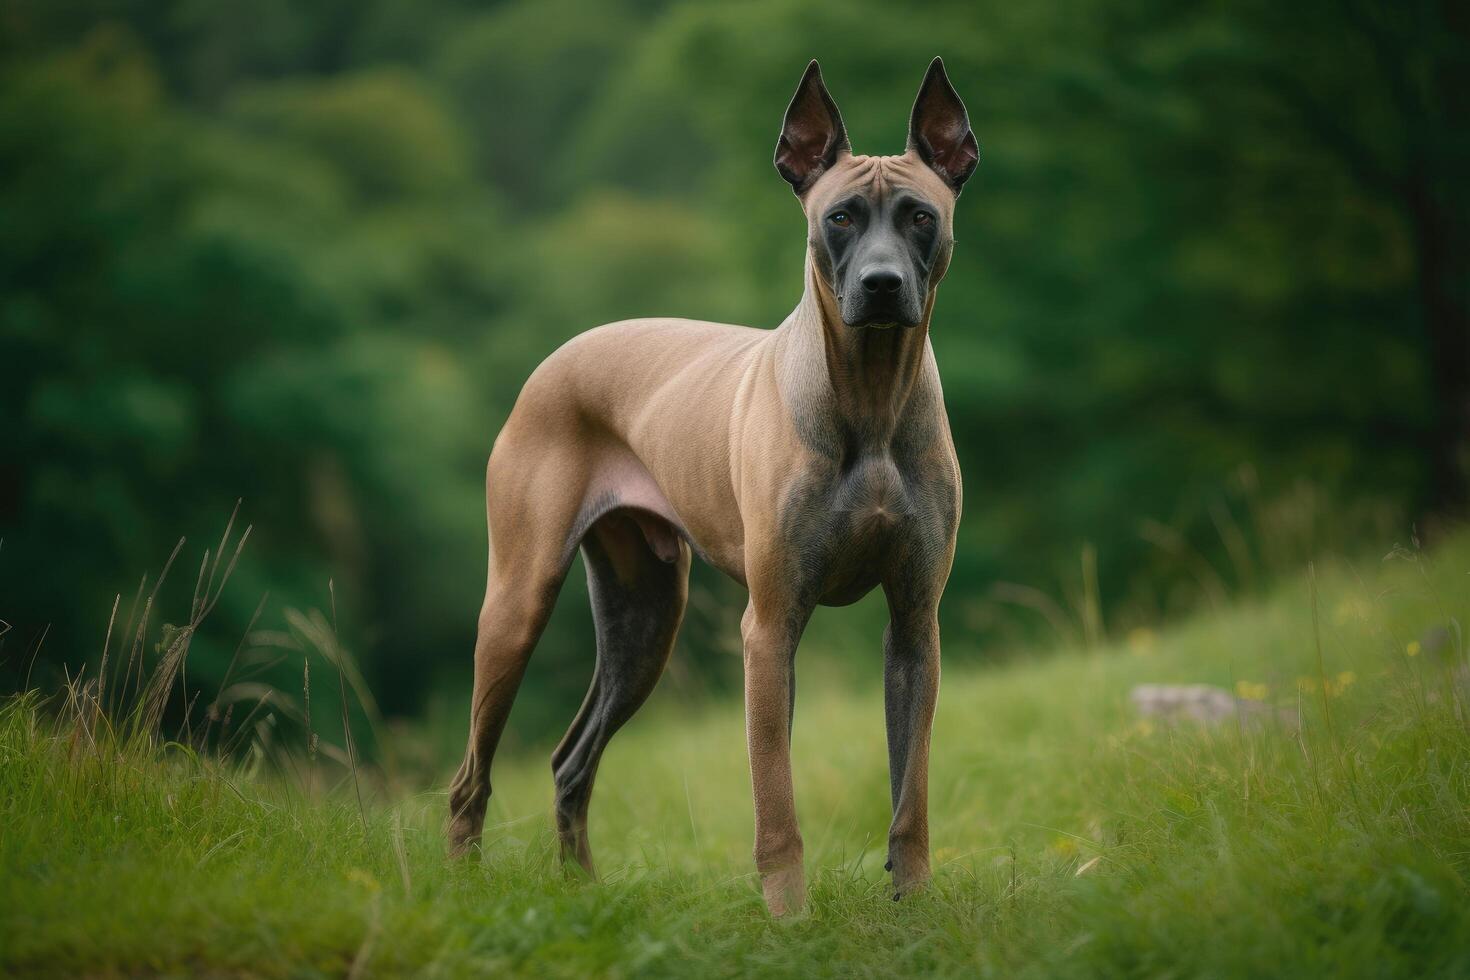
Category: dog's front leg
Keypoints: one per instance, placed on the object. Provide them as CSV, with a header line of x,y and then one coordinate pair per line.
x,y
771,632
910,692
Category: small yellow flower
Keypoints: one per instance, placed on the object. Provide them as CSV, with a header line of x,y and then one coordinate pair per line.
x,y
1143,727
1332,686
1064,845
1141,641
1251,691
363,878
1412,649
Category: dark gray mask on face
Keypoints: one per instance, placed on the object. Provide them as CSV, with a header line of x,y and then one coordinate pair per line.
x,y
878,239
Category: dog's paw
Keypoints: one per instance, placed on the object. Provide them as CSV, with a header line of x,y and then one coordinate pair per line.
x,y
910,887
784,891
909,874
464,836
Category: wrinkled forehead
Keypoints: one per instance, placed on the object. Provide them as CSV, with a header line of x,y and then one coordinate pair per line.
x,y
878,179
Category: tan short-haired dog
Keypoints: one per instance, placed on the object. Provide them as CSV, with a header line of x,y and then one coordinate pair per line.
x,y
810,463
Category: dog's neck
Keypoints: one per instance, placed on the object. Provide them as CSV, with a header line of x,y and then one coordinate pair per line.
x,y
862,377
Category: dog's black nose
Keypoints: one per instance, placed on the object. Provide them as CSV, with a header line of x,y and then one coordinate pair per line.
x,y
882,281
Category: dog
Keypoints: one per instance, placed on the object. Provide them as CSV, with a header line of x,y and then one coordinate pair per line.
x,y
811,463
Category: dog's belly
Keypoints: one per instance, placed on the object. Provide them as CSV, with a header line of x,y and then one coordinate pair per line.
x,y
620,480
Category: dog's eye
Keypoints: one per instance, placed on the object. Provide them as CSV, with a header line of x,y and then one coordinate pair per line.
x,y
922,217
840,218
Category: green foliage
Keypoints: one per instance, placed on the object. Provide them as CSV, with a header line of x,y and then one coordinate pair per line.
x,y
1071,839
306,255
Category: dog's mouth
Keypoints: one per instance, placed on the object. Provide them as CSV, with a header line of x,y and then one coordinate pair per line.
x,y
879,324
886,313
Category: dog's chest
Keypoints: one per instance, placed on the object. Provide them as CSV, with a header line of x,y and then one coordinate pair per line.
x,y
846,522
873,495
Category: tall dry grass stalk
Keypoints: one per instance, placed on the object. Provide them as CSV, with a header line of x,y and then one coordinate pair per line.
x,y
132,696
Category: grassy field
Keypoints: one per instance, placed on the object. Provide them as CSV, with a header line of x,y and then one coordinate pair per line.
x,y
1072,837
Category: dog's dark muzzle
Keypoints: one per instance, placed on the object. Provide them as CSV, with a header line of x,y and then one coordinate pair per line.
x,y
881,297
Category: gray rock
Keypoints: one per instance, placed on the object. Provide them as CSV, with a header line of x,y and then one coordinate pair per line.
x,y
1435,639
1203,704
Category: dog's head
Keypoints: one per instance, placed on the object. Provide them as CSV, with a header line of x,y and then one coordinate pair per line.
x,y
880,228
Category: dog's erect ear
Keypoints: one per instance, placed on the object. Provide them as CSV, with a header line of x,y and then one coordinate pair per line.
x,y
939,129
812,137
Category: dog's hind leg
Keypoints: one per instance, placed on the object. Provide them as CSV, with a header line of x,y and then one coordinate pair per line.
x,y
534,501
638,577
511,622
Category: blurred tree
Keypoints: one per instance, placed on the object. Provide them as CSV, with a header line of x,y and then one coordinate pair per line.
x,y
194,312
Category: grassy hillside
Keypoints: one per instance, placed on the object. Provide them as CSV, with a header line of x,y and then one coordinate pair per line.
x,y
1072,838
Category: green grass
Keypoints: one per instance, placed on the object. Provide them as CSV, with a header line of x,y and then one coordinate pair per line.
x,y
1070,838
